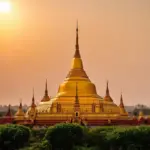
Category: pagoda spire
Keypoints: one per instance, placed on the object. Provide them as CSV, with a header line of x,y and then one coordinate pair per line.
x,y
46,97
121,102
77,69
8,114
77,53
33,100
46,90
33,96
20,106
107,96
107,90
122,108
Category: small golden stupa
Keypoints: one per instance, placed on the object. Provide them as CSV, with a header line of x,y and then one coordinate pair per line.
x,y
20,115
76,98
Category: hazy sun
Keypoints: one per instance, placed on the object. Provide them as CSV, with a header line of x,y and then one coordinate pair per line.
x,y
5,7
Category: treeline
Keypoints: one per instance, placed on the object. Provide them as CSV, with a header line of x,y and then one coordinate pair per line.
x,y
74,137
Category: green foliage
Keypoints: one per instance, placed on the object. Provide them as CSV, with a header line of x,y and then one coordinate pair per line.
x,y
137,137
44,145
119,137
97,136
85,148
39,133
74,137
13,136
65,136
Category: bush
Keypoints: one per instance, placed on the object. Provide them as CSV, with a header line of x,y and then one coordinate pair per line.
x,y
13,136
39,134
97,136
129,138
75,137
44,145
65,136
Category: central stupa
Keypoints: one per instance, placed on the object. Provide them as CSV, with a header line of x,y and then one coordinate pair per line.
x,y
78,75
76,98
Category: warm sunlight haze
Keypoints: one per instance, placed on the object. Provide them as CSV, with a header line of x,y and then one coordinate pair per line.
x,y
37,42
5,7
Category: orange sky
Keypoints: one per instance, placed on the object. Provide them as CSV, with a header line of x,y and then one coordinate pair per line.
x,y
37,41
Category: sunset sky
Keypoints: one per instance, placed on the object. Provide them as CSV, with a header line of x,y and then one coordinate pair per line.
x,y
37,41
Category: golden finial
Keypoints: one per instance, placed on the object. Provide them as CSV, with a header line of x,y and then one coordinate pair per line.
x,y
33,92
107,89
121,101
20,106
33,100
46,90
77,53
33,96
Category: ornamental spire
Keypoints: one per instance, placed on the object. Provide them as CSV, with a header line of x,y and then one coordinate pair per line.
x,y
33,100
77,53
46,90
33,96
46,97
8,114
121,102
107,90
107,96
20,106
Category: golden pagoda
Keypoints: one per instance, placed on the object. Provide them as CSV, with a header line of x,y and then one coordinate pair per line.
x,y
31,112
76,99
20,115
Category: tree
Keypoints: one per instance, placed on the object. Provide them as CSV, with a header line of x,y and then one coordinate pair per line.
x,y
65,136
13,136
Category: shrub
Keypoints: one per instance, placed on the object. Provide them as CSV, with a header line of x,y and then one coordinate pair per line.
x,y
39,133
65,136
13,136
97,136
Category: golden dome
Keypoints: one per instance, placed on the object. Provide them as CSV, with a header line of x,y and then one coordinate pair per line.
x,y
86,88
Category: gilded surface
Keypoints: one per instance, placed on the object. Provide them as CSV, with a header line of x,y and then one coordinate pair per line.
x,y
77,87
